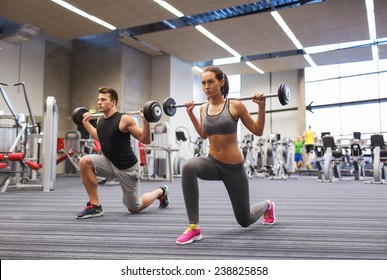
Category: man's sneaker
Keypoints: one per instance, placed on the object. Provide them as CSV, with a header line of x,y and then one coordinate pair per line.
x,y
191,234
164,201
269,215
91,211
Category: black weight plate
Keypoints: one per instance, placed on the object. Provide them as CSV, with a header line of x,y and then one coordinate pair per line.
x,y
156,111
78,115
284,94
152,111
168,106
147,111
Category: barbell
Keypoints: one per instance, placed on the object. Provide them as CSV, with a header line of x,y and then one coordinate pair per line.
x,y
283,94
152,113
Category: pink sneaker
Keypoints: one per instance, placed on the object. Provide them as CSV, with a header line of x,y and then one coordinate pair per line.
x,y
190,235
269,215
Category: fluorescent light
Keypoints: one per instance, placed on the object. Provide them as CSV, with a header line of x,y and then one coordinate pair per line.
x,y
291,36
248,63
381,41
354,44
84,14
375,52
237,56
286,29
372,27
170,8
215,39
197,69
322,48
371,18
226,60
310,60
337,46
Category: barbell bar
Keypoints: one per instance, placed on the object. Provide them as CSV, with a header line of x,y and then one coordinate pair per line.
x,y
152,113
283,94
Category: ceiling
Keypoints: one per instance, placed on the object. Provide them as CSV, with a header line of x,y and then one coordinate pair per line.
x,y
255,35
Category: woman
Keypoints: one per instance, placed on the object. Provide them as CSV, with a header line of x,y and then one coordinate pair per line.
x,y
218,122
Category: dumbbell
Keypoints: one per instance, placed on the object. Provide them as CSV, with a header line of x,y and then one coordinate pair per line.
x,y
283,94
152,113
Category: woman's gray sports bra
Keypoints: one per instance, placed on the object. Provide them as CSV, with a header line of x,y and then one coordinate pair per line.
x,y
222,123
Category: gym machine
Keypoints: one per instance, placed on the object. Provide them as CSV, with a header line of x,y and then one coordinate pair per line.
x,y
284,161
357,158
249,155
332,159
183,140
13,175
379,153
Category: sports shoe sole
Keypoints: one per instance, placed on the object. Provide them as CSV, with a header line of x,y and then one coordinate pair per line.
x,y
90,216
195,238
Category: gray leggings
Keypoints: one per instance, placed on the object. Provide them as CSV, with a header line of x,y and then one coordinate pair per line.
x,y
234,178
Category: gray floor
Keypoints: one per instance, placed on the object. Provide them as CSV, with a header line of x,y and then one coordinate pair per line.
x,y
344,220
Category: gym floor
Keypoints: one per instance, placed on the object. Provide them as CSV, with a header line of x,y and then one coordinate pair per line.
x,y
315,220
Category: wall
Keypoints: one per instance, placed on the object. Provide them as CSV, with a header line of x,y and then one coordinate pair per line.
x,y
96,62
57,83
161,83
43,65
136,77
181,91
23,63
284,123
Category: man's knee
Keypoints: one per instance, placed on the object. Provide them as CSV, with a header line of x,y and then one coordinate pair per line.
x,y
85,162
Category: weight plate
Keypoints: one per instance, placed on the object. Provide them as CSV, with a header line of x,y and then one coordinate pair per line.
x,y
284,94
152,111
168,106
78,115
147,111
156,111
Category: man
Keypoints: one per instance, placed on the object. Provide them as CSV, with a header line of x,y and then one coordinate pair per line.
x,y
118,161
298,145
309,136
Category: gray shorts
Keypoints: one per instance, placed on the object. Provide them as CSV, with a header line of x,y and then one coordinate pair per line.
x,y
129,179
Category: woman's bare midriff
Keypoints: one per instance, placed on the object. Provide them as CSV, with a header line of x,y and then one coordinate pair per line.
x,y
226,149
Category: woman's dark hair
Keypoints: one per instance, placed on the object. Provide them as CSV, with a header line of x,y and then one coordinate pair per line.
x,y
220,75
112,92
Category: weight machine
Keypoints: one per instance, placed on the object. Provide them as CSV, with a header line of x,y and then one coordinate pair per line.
x,y
24,171
379,153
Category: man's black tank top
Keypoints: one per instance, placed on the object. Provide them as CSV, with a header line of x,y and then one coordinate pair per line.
x,y
115,145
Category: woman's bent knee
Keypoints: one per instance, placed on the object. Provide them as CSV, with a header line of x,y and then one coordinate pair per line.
x,y
134,210
244,223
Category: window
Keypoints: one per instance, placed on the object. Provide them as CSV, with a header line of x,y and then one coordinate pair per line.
x,y
353,82
235,85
